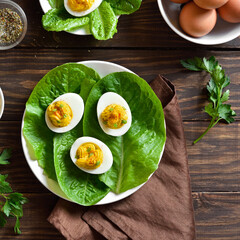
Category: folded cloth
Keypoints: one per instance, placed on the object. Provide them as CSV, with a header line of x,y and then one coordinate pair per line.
x,y
160,209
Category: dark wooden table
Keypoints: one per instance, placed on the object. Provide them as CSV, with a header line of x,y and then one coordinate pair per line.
x,y
147,46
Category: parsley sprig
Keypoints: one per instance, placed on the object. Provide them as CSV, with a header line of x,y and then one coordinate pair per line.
x,y
218,81
10,202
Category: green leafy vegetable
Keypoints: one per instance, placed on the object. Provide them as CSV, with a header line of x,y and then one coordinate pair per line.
x,y
216,109
103,22
60,20
5,155
81,187
125,6
10,202
63,79
56,3
135,154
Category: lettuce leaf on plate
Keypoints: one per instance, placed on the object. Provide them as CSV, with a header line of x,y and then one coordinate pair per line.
x,y
81,187
60,20
56,3
124,6
65,78
103,22
136,154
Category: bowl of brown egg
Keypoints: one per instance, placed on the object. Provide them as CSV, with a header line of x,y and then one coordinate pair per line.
x,y
206,22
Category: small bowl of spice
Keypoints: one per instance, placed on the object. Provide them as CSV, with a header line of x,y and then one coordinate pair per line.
x,y
1,102
13,24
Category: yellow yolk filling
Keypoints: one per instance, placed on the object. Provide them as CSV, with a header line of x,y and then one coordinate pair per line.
x,y
59,113
89,155
80,5
114,116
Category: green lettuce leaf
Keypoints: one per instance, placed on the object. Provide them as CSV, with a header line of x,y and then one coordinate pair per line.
x,y
136,154
103,22
60,80
81,187
124,6
56,3
60,20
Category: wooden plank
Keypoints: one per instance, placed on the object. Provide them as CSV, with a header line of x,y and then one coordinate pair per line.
x,y
144,28
217,217
213,162
21,69
33,223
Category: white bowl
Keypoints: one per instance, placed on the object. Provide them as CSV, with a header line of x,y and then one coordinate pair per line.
x,y
1,103
222,32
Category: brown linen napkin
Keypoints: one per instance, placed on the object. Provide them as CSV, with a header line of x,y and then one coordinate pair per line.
x,y
161,209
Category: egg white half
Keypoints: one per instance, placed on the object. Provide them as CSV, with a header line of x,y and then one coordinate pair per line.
x,y
76,103
107,155
113,98
95,5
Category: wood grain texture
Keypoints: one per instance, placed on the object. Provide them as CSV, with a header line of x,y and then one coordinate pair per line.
x,y
21,69
217,217
144,28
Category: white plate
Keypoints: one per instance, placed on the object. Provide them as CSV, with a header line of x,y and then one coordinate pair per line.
x,y
1,103
103,68
222,32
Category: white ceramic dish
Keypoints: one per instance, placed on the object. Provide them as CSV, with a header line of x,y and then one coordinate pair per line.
x,y
223,31
103,68
1,103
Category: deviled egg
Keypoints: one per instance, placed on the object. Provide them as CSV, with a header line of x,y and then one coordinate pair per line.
x,y
64,113
91,155
114,114
79,8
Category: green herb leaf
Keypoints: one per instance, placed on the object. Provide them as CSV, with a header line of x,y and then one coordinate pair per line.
x,y
6,208
88,149
17,226
97,163
91,154
115,125
219,80
4,186
12,207
5,155
225,96
111,109
124,121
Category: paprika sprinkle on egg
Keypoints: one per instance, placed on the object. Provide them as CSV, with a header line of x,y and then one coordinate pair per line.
x,y
11,26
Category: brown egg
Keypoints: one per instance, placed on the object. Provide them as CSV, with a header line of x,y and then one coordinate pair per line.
x,y
210,4
179,1
230,12
196,21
